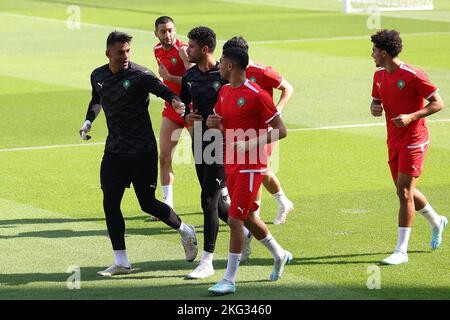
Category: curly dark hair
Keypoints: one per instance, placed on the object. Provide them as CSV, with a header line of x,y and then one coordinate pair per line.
x,y
236,42
388,40
204,37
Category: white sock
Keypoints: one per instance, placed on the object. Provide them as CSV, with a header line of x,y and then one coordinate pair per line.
x,y
403,238
168,195
184,230
247,232
270,243
232,266
256,212
432,217
121,258
281,198
207,257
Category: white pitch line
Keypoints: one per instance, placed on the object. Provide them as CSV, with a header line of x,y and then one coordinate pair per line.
x,y
91,144
92,25
353,126
57,146
348,126
343,38
262,42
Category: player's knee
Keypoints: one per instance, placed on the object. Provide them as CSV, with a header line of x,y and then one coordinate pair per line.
x,y
235,224
208,204
148,203
111,210
110,204
405,194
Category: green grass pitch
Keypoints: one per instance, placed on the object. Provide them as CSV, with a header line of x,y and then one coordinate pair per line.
x,y
345,217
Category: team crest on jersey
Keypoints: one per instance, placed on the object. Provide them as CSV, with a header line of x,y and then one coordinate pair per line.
x,y
241,102
174,60
401,84
126,84
253,79
216,85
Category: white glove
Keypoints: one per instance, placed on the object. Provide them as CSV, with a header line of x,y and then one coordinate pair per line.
x,y
85,128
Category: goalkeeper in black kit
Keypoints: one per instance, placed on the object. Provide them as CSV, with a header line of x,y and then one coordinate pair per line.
x,y
121,88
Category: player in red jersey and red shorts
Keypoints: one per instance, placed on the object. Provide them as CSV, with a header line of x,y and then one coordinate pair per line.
x,y
400,90
268,79
170,53
244,113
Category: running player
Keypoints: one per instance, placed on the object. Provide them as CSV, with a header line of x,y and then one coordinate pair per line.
x,y
268,79
244,113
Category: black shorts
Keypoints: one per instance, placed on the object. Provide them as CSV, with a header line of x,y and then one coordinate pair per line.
x,y
118,171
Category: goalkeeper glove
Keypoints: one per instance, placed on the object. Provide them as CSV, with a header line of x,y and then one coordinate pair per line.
x,y
85,128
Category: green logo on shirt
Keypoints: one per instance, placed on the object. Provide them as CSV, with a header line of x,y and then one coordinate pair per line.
x,y
401,84
253,79
126,84
216,85
241,102
174,60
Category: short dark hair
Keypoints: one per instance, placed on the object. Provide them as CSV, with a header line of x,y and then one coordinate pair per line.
x,y
388,40
117,36
162,20
238,56
204,37
236,42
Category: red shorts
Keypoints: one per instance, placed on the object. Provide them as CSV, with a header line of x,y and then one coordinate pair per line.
x,y
170,113
242,188
408,160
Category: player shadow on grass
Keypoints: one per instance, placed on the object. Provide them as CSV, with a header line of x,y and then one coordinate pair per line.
x,y
67,233
90,273
155,228
141,271
329,260
59,220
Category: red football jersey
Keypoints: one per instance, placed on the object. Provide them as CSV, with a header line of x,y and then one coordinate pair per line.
x,y
246,112
266,77
402,92
172,61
